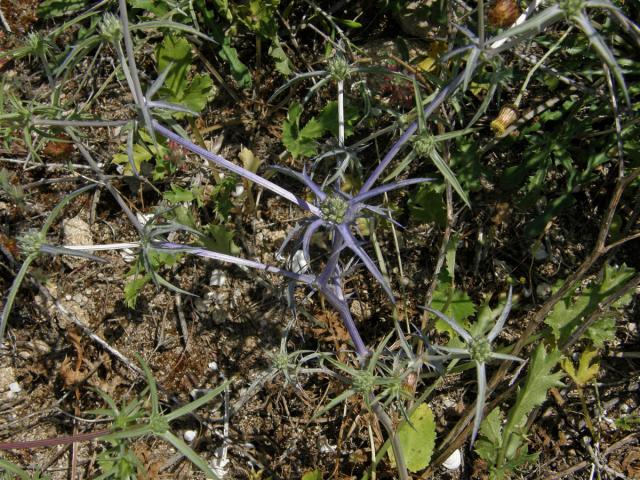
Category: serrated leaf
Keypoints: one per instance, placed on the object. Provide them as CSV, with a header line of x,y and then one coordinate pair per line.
x,y
312,130
179,195
133,288
575,307
200,91
585,372
219,239
417,438
282,62
293,139
453,303
427,204
140,154
534,392
491,427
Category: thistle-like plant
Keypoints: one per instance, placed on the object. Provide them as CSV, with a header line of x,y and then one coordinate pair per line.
x,y
479,350
336,211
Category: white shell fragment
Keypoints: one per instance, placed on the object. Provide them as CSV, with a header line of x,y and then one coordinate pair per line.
x,y
298,262
189,435
218,278
454,461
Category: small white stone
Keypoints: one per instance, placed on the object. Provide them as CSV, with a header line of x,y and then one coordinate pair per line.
x,y
298,262
189,435
237,191
128,255
76,232
218,278
143,218
454,461
15,387
213,366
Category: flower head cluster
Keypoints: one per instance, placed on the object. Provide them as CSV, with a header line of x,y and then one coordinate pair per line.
x,y
479,350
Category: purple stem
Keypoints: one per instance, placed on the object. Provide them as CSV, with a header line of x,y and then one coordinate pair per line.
x,y
337,301
220,161
352,243
435,103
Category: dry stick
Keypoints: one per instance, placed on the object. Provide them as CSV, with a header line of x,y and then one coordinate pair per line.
x,y
461,430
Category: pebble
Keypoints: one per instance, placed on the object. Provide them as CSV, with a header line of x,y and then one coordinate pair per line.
x,y
454,461
189,436
76,232
299,263
218,278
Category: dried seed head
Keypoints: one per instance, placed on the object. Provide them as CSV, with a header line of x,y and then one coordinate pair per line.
x,y
334,209
339,68
504,13
110,28
30,242
480,349
507,116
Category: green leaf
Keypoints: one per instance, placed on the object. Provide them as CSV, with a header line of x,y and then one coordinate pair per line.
x,y
219,239
49,9
488,445
200,91
576,306
239,70
417,438
133,288
179,195
453,303
427,204
534,392
585,372
174,53
491,427
283,64
140,154
298,144
312,475
328,118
